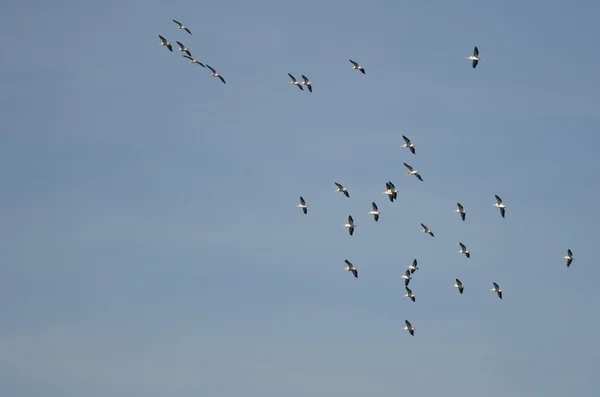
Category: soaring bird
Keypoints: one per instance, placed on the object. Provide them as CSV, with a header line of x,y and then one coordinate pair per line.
x,y
181,26
303,205
183,48
570,258
410,294
408,144
342,189
357,66
164,42
500,205
391,191
351,268
413,266
215,74
461,211
194,60
350,225
497,290
307,83
427,230
295,82
409,328
412,171
375,212
459,285
475,57
464,250
407,277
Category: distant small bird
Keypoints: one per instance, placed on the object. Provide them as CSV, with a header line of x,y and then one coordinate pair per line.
x,y
180,26
475,57
409,328
413,267
357,67
461,211
303,205
427,230
412,171
497,290
295,82
351,268
215,74
408,144
500,205
464,250
391,191
459,285
375,212
570,258
183,48
342,189
350,225
194,60
407,277
410,294
307,83
164,42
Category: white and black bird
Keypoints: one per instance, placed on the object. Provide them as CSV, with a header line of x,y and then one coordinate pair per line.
x,y
342,189
412,171
409,294
413,266
461,211
409,327
295,82
569,257
351,268
391,191
499,204
409,145
194,60
375,212
215,74
464,250
350,225
183,48
303,205
307,83
459,285
357,66
407,277
427,230
475,57
497,290
181,26
165,42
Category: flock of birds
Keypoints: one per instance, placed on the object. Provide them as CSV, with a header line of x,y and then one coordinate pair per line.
x,y
390,191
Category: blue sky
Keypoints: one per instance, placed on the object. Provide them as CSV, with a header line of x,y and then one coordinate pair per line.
x,y
151,244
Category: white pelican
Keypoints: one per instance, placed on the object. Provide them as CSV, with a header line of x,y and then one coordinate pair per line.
x,y
461,211
410,294
215,74
341,189
500,205
164,42
391,191
409,144
295,82
412,171
464,250
459,285
194,60
427,230
181,26
303,205
413,267
351,268
570,258
475,57
409,328
183,48
375,212
407,277
350,225
497,290
357,66
307,83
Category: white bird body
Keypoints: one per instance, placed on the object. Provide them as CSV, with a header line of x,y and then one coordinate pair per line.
x,y
183,48
375,212
350,225
215,74
165,42
295,82
464,250
459,285
409,328
461,211
499,204
408,144
303,205
351,268
409,294
497,290
307,83
194,60
342,189
181,26
427,230
475,57
569,257
412,171
356,66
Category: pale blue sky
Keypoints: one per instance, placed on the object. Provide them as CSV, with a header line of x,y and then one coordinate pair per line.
x,y
150,241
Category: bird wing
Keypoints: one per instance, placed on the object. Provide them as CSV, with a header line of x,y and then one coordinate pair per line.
x,y
163,39
350,265
374,206
189,57
408,290
408,324
406,140
419,177
458,283
498,199
350,220
463,215
462,246
502,212
354,63
187,30
475,62
178,23
414,263
306,80
424,227
292,77
222,79
211,69
302,201
460,207
476,51
392,185
496,286
339,186
355,272
569,252
408,166
180,45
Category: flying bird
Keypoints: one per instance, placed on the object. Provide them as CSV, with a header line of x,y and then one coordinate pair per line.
x,y
350,225
183,48
497,290
407,277
409,328
500,205
307,83
570,258
351,268
342,189
194,60
413,267
427,230
464,250
164,42
461,211
410,294
475,57
357,66
412,171
215,74
459,285
295,82
391,191
181,26
303,205
409,145
375,212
